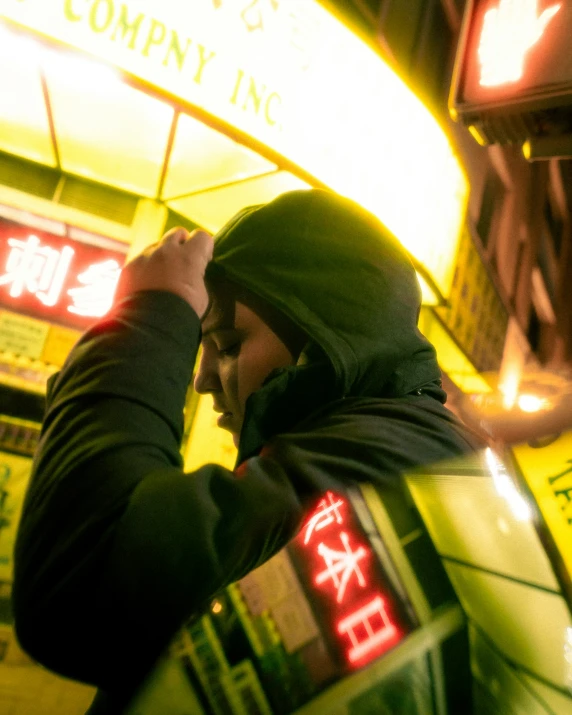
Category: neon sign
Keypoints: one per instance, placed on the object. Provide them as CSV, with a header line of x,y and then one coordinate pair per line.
x,y
351,594
509,32
53,278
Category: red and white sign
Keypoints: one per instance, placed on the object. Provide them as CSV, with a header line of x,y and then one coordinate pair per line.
x,y
345,581
56,279
510,30
511,50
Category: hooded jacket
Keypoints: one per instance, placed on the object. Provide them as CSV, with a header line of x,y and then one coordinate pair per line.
x,y
117,546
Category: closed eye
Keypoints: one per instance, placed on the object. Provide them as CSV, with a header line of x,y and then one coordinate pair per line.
x,y
229,350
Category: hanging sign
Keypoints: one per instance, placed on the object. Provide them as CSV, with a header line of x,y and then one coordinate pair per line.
x,y
289,76
53,278
344,579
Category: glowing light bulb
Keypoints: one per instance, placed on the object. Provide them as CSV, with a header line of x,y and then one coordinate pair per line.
x,y
532,403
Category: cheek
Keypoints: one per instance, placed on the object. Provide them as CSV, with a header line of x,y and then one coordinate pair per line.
x,y
256,362
249,374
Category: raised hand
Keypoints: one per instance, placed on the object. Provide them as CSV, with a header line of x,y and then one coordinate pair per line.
x,y
176,264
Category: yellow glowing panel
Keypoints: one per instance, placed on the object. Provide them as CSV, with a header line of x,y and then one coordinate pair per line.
x,y
558,701
106,130
24,128
492,538
428,295
452,359
212,209
203,158
548,473
26,203
291,76
207,442
528,625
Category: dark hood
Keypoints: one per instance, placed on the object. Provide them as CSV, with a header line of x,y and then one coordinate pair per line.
x,y
339,274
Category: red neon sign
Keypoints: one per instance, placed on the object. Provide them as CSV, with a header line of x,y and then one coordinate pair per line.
x,y
53,278
510,30
351,594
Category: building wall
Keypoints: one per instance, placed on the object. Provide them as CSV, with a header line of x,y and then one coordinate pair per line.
x,y
519,212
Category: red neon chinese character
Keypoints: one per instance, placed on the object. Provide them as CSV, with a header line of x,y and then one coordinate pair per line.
x,y
341,562
95,297
509,32
367,629
36,269
326,514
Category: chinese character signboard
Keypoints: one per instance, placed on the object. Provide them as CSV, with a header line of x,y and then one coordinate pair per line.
x,y
351,595
513,57
53,278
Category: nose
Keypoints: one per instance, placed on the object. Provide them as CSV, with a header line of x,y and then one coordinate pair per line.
x,y
207,379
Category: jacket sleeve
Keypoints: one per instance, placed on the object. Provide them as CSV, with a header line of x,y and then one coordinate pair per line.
x,y
117,546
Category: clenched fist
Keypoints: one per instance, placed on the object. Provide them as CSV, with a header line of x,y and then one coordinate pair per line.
x,y
176,264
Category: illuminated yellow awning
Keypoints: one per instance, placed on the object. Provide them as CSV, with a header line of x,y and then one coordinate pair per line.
x,y
286,79
452,360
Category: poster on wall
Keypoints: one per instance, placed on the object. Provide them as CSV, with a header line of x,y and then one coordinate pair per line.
x,y
14,476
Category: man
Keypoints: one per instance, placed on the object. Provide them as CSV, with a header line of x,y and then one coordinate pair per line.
x,y
312,354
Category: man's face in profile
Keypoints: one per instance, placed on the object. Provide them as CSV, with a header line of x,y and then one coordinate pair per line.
x,y
239,350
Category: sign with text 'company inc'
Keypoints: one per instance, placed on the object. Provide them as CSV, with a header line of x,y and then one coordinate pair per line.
x,y
290,80
53,278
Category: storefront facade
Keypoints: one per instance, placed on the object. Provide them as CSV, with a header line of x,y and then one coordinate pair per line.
x,y
120,119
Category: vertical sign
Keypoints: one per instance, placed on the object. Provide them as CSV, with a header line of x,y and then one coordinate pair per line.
x,y
351,595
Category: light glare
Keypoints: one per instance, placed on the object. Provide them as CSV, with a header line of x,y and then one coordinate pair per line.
x,y
506,488
532,403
